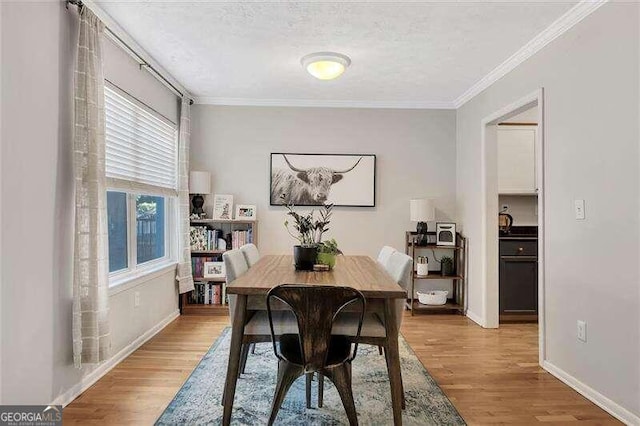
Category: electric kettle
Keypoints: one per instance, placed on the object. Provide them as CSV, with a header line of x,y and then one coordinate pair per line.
x,y
505,220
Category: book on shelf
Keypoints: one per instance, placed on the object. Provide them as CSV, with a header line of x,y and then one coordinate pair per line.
x,y
197,265
240,238
217,294
203,238
206,293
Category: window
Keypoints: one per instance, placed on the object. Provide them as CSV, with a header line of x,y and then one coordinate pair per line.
x,y
117,226
141,168
150,228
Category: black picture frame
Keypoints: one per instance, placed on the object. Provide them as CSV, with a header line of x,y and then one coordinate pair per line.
x,y
450,239
324,161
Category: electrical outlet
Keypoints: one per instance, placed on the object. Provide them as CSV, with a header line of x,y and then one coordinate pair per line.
x,y
136,299
579,207
582,331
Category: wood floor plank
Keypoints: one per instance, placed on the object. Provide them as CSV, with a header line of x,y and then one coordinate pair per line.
x,y
491,376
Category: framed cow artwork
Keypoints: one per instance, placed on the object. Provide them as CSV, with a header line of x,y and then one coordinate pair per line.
x,y
317,179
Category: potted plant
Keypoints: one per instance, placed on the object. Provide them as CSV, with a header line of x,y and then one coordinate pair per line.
x,y
327,252
308,231
446,264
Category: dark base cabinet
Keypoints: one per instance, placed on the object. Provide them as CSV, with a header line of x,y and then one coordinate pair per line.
x,y
518,281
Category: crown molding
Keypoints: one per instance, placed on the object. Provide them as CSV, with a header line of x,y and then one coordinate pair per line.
x,y
313,103
553,31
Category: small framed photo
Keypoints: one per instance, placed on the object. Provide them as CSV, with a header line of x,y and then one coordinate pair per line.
x,y
214,270
445,234
245,212
223,206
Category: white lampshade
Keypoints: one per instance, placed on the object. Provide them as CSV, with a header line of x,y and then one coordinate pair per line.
x,y
422,210
199,183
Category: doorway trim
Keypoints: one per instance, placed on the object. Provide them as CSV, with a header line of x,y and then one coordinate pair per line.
x,y
489,194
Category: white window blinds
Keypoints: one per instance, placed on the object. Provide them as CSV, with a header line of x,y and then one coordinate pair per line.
x,y
141,148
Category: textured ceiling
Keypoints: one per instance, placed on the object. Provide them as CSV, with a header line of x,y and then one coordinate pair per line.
x,y
400,52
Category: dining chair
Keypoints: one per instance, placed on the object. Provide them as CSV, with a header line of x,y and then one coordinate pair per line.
x,y
251,254
400,267
235,265
385,254
256,330
315,348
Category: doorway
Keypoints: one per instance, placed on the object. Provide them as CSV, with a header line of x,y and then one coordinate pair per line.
x,y
521,193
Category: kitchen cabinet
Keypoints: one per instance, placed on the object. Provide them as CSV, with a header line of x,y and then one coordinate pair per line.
x,y
517,159
518,279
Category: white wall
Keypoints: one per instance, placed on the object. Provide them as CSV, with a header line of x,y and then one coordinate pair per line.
x,y
415,158
528,116
1,142
590,77
38,44
122,70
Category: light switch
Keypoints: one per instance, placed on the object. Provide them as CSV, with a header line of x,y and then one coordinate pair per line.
x,y
579,207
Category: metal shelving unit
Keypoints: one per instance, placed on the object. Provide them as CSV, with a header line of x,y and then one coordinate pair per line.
x,y
455,304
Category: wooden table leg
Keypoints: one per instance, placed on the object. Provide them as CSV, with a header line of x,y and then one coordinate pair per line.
x,y
393,356
237,333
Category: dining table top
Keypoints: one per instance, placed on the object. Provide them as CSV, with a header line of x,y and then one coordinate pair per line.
x,y
359,272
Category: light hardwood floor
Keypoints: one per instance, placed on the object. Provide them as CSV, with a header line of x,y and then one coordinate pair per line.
x,y
491,376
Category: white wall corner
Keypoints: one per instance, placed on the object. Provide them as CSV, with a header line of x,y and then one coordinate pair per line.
x,y
475,318
560,26
611,407
87,381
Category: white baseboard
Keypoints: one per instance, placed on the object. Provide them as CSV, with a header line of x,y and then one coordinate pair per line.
x,y
616,410
88,380
475,318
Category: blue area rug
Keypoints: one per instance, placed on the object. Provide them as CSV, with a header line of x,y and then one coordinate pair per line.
x,y
198,401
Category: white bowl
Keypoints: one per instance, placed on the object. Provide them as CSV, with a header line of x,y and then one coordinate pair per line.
x,y
435,297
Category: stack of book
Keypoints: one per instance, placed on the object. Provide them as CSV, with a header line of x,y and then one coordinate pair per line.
x,y
203,238
240,238
197,265
207,294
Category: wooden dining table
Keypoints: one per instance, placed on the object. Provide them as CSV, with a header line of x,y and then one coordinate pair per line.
x,y
359,272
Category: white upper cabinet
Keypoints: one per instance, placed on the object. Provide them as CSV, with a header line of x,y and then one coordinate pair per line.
x,y
517,159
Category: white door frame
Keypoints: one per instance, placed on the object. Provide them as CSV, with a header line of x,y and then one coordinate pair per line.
x,y
489,208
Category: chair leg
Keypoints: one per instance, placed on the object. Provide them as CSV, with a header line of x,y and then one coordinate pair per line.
x,y
320,389
308,380
380,349
253,349
341,378
404,404
243,357
287,374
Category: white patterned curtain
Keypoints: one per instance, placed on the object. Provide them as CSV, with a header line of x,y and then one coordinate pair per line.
x,y
91,339
183,273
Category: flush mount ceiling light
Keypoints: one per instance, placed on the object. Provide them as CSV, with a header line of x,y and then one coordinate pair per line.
x,y
325,65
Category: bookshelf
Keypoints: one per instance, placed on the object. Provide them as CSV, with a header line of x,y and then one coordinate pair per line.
x,y
456,303
209,297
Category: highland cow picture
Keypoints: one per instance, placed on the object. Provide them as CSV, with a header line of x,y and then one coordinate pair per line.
x,y
317,179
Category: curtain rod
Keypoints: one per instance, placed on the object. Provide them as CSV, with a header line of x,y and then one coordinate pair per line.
x,y
143,63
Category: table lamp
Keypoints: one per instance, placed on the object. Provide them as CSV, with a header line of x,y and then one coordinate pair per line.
x,y
422,211
199,184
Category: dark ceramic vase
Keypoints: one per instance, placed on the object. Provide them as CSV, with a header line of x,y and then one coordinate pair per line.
x,y
447,268
304,257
